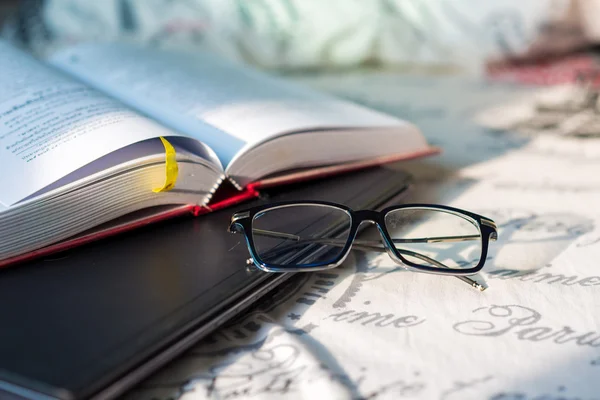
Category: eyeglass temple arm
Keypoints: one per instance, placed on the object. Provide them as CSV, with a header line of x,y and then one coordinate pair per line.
x,y
435,239
374,245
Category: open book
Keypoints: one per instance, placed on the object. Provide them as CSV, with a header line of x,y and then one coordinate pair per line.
x,y
86,139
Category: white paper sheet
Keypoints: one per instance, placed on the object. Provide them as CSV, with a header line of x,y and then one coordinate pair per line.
x,y
51,125
231,109
368,330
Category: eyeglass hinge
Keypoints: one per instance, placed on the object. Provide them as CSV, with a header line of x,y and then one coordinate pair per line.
x,y
240,215
234,226
488,222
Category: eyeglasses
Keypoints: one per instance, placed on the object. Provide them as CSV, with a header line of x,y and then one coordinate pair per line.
x,y
316,235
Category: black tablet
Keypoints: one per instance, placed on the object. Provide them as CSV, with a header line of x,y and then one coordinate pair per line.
x,y
92,322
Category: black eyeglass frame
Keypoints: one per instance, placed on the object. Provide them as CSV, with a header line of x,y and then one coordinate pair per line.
x,y
244,219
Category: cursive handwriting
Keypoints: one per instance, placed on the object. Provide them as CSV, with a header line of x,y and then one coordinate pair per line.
x,y
376,319
588,241
267,370
399,388
518,395
460,387
280,370
523,322
544,277
568,224
546,187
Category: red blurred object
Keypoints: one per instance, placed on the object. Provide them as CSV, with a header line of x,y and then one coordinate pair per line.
x,y
553,72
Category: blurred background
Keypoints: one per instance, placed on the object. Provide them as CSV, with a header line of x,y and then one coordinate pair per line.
x,y
312,34
417,60
6,7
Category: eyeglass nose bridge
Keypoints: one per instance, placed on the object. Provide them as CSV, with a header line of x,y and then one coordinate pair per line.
x,y
366,215
374,217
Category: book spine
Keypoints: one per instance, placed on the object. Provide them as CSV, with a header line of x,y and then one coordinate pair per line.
x,y
213,190
246,194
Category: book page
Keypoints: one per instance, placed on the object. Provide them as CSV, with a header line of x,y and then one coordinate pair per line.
x,y
51,125
181,89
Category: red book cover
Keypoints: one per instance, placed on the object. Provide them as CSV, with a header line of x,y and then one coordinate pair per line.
x,y
225,196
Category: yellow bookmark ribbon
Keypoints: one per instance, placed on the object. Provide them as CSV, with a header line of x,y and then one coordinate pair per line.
x,y
171,168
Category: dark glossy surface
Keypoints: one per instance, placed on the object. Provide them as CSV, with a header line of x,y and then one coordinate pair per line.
x,y
83,319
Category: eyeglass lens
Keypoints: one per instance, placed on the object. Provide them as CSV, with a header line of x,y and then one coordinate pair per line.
x,y
300,235
309,235
435,238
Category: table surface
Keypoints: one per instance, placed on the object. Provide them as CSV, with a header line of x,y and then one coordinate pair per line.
x,y
370,330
